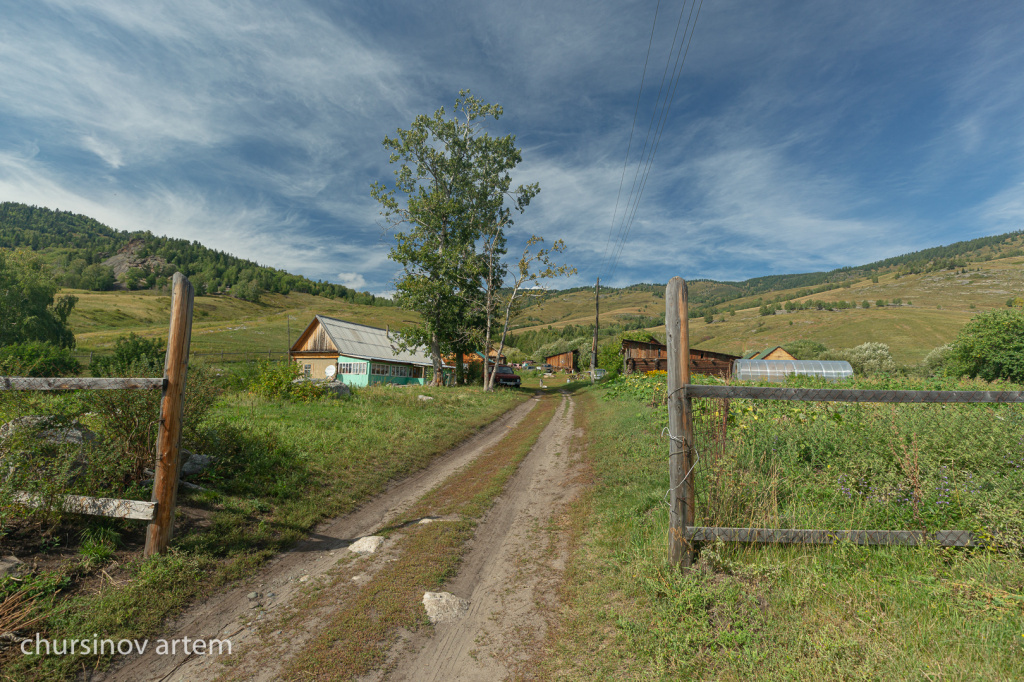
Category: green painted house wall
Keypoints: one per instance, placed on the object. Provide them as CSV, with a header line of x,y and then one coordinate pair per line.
x,y
376,372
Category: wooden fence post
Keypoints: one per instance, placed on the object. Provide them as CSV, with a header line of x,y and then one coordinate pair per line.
x,y
680,423
172,403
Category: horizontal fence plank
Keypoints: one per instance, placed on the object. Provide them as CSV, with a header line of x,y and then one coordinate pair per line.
x,y
95,506
945,538
69,383
850,395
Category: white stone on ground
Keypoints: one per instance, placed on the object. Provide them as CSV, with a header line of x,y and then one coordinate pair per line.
x,y
367,545
444,607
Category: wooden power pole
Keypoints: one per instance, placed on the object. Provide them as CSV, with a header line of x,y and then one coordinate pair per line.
x,y
597,322
680,424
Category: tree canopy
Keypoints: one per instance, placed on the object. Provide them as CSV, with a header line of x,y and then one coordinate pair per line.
x,y
450,203
28,311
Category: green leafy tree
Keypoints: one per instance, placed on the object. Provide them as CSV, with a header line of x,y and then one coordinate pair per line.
x,y
29,310
449,194
990,346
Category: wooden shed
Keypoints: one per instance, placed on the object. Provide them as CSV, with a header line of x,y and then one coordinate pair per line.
x,y
563,361
651,356
771,353
361,355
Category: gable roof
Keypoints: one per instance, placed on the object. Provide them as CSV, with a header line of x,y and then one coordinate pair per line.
x,y
755,355
360,341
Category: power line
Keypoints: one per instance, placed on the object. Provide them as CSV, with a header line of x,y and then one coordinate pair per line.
x,y
640,178
629,146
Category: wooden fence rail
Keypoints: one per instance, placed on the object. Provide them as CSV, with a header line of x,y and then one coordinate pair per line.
x,y
160,511
683,536
849,395
84,383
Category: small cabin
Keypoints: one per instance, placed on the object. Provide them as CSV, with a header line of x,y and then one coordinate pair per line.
x,y
772,353
356,354
563,361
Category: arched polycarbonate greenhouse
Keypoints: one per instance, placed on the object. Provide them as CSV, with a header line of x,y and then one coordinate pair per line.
x,y
778,370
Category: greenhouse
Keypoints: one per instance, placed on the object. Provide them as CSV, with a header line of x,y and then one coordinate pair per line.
x,y
778,370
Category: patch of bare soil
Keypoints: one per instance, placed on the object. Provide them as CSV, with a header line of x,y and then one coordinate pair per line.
x,y
508,575
280,589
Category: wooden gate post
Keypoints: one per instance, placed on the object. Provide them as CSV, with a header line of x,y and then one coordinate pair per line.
x,y
172,403
680,423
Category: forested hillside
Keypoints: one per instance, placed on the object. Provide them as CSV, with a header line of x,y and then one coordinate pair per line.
x,y
86,254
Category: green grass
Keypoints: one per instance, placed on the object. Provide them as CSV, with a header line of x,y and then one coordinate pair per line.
x,y
282,467
220,323
765,612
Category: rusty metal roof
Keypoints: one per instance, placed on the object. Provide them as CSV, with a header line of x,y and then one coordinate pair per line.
x,y
370,343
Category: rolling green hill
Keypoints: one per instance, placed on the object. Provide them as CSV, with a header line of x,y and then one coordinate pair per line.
x,y
940,289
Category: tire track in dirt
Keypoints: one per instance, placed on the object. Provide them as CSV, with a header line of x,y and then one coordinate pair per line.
x,y
510,568
232,615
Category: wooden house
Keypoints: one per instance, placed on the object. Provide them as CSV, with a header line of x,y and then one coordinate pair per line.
x,y
772,353
563,361
360,355
651,356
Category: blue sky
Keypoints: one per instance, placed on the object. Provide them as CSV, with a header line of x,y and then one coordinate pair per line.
x,y
801,137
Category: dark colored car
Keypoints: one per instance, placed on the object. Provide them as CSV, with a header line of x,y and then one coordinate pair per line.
x,y
504,376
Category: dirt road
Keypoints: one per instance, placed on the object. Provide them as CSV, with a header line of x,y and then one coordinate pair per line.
x,y
506,571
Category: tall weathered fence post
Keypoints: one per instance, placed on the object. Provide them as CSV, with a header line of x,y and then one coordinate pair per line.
x,y
172,403
680,423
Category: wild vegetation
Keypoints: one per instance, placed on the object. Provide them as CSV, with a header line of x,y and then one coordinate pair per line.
x,y
281,460
796,612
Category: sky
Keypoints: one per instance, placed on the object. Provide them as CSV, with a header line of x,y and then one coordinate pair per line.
x,y
797,137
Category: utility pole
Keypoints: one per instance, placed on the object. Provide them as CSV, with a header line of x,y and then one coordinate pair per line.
x,y
597,322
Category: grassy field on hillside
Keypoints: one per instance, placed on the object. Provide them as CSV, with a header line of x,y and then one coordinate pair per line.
x,y
840,612
220,323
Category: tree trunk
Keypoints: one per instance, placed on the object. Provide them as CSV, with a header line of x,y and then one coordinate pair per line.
x,y
435,357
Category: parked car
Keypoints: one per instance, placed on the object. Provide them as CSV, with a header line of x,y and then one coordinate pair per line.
x,y
599,373
545,367
504,376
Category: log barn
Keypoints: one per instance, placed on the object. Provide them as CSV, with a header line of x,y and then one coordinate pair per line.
x,y
649,356
360,355
563,361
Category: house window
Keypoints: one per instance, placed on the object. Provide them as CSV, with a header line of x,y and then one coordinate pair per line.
x,y
307,370
399,371
352,367
379,370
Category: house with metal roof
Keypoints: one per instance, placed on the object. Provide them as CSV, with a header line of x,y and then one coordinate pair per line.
x,y
356,354
772,353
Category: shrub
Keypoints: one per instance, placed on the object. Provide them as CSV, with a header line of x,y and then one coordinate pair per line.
x,y
805,349
990,346
37,359
934,363
277,380
868,358
133,352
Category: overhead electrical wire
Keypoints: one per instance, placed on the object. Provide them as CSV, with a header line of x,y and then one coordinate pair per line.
x,y
629,146
646,159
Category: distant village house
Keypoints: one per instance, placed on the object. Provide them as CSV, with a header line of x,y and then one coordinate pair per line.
x,y
772,353
651,356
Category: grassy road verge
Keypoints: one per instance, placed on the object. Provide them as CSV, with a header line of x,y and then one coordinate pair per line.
x,y
769,613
